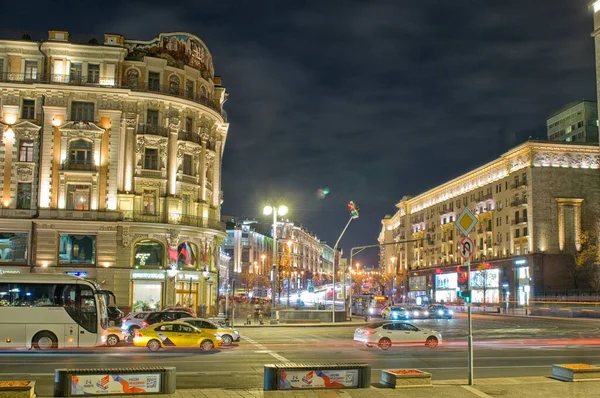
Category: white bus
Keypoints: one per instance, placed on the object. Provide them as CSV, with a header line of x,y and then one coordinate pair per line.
x,y
46,311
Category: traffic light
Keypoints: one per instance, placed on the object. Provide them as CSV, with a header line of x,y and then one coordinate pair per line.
x,y
353,209
465,295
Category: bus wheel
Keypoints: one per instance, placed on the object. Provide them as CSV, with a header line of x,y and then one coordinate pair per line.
x,y
45,341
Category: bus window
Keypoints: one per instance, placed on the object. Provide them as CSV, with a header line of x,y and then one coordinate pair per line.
x,y
88,314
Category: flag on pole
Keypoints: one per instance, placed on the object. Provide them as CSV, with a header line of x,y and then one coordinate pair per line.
x,y
184,252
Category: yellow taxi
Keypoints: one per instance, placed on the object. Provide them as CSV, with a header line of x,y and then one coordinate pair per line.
x,y
176,334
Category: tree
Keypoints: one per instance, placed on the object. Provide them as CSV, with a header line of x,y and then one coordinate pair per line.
x,y
483,278
595,282
586,259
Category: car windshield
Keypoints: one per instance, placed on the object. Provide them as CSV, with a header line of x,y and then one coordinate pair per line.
x,y
397,308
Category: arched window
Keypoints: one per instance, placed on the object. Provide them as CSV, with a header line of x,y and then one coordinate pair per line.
x,y
148,253
132,78
186,254
174,85
202,92
80,154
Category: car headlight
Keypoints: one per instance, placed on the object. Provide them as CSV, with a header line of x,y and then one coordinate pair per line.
x,y
451,312
218,338
371,310
103,339
426,313
416,313
236,332
440,312
124,327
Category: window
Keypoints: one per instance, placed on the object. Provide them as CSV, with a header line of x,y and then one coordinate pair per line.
x,y
133,78
25,151
525,214
80,154
75,72
189,89
82,111
154,81
151,159
77,249
148,253
188,124
28,109
525,232
23,196
13,248
31,69
152,117
517,233
202,92
517,251
187,165
93,75
185,204
174,85
78,197
149,202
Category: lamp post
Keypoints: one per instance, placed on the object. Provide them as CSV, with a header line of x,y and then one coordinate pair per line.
x,y
280,210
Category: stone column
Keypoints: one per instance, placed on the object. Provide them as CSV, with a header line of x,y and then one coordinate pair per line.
x,y
216,202
202,171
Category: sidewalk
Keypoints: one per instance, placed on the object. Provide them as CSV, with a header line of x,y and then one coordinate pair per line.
x,y
530,387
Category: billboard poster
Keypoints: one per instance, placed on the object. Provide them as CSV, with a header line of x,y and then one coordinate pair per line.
x,y
115,384
292,379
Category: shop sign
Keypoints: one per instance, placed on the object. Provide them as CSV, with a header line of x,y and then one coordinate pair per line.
x,y
187,277
446,281
82,274
9,271
148,275
416,283
326,378
104,384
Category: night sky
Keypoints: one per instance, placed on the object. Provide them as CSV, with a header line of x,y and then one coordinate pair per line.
x,y
371,99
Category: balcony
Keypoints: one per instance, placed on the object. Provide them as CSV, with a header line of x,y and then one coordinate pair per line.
x,y
519,184
519,221
152,129
518,202
87,215
189,136
173,218
76,80
78,166
17,213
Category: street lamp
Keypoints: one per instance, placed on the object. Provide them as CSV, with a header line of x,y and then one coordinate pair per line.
x,y
280,210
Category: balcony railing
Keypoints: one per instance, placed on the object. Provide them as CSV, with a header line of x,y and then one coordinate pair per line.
x,y
76,80
78,166
91,215
519,184
173,218
518,202
518,221
153,129
189,136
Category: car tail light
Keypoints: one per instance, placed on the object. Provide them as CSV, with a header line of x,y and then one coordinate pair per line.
x,y
368,331
145,324
138,334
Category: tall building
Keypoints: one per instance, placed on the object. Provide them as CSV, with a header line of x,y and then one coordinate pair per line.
x,y
327,255
576,122
110,164
301,249
532,205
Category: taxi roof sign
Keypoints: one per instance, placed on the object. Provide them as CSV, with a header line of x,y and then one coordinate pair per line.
x,y
466,221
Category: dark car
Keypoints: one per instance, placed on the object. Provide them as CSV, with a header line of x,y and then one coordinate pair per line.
x,y
440,312
137,320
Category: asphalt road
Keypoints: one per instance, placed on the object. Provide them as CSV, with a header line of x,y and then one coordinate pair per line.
x,y
504,347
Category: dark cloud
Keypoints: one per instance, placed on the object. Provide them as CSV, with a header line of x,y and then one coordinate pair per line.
x,y
373,99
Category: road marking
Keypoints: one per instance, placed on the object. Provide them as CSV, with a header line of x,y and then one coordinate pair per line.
x,y
476,392
265,350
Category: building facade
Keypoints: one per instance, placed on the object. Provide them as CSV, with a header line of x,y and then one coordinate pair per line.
x,y
327,256
110,164
300,253
532,205
577,122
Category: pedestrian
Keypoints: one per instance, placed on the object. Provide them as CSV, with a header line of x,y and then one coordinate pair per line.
x,y
203,310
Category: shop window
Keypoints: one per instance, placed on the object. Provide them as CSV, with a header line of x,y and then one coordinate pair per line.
x,y
13,248
133,77
25,151
186,254
148,253
78,197
24,196
77,249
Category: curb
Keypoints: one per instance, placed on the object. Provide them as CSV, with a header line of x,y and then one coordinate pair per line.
x,y
541,317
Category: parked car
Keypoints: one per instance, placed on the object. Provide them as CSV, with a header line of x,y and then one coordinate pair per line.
x,y
386,334
190,311
176,334
228,334
440,312
139,320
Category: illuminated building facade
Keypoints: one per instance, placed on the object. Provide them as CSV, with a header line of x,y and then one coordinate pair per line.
x,y
532,204
577,122
110,164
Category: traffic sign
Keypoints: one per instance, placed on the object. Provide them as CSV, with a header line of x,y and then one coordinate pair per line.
x,y
466,221
466,247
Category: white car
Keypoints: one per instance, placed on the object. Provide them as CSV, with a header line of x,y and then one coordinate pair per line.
x,y
386,334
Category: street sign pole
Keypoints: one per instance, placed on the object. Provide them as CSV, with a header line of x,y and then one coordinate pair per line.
x,y
470,330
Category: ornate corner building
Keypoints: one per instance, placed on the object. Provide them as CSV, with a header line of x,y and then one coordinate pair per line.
x,y
532,205
110,164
